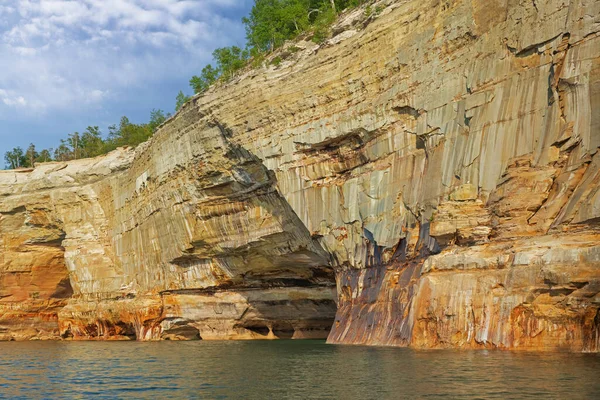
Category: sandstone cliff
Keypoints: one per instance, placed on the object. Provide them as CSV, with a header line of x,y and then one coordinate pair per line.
x,y
441,157
185,238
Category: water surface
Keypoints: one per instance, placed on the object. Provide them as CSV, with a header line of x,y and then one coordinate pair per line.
x,y
286,370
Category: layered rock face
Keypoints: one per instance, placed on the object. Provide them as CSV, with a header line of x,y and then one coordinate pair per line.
x,y
34,281
186,238
440,156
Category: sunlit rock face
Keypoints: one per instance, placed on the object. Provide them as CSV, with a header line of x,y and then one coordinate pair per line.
x,y
440,156
445,155
34,282
182,239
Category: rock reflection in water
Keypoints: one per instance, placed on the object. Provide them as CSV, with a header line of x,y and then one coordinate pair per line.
x,y
286,369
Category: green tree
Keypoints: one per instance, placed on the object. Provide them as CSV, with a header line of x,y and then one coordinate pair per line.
x,y
15,158
229,60
74,143
91,142
180,100
271,22
322,25
31,155
294,15
45,155
208,76
127,134
157,118
63,152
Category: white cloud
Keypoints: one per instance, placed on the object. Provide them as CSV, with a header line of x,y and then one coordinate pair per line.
x,y
11,99
67,55
17,101
25,51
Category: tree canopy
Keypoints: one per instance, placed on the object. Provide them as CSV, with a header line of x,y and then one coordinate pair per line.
x,y
15,158
269,24
89,143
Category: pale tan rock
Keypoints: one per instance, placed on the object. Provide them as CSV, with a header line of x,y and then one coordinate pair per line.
x,y
442,157
464,192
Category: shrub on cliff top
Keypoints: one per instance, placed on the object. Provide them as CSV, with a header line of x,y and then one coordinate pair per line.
x,y
15,158
90,143
269,24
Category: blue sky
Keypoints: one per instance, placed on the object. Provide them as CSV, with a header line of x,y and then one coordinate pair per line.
x,y
65,64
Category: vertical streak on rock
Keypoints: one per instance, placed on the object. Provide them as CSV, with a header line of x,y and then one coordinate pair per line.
x,y
442,160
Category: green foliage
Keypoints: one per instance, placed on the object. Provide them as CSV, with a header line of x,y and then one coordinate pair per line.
x,y
45,156
63,152
198,84
31,155
269,24
276,61
257,57
180,100
90,143
76,145
157,118
208,76
261,25
15,158
74,142
127,134
322,25
130,134
229,60
272,22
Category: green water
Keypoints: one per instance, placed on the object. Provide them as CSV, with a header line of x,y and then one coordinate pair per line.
x,y
286,369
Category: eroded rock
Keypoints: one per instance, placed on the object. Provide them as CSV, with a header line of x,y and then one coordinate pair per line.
x,y
442,158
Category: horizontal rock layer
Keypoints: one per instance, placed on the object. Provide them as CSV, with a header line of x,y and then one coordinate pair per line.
x,y
440,156
191,241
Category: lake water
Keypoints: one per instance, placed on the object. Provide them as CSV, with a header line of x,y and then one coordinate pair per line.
x,y
286,369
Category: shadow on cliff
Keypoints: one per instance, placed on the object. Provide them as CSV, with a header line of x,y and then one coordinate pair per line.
x,y
286,258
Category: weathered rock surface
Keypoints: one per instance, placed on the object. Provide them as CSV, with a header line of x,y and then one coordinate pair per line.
x,y
441,156
183,239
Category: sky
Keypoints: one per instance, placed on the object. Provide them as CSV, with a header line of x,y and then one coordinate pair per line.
x,y
66,65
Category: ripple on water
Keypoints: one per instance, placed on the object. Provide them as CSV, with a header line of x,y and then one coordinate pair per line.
x,y
286,369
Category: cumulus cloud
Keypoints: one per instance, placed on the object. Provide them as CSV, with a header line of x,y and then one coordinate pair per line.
x,y
9,98
68,55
